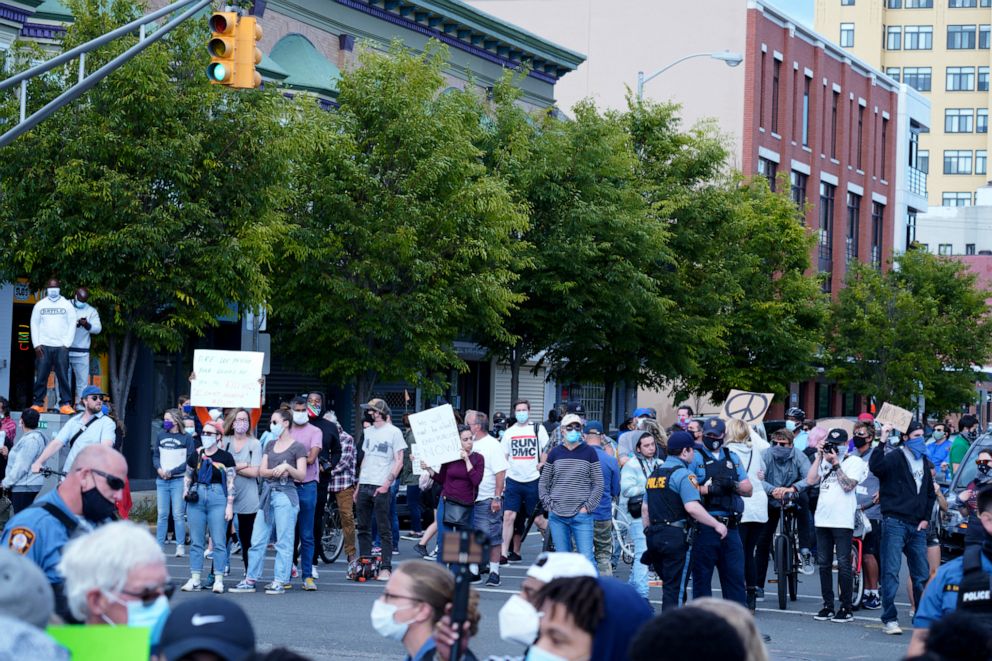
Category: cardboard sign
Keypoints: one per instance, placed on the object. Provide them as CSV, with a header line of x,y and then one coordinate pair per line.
x,y
891,414
87,643
847,424
226,379
750,407
416,458
438,441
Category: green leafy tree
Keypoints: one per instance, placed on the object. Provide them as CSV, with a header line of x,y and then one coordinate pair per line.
x,y
399,237
918,328
156,190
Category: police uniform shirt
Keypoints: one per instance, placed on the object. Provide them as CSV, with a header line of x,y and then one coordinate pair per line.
x,y
39,536
699,468
683,482
941,595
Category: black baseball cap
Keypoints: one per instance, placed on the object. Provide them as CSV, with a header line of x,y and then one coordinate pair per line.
x,y
837,436
576,408
207,625
915,425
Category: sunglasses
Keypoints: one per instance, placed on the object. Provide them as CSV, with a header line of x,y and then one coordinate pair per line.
x,y
148,596
861,436
573,428
208,434
95,398
983,462
113,481
784,444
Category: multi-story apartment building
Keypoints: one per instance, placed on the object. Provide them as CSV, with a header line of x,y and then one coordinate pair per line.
x,y
941,48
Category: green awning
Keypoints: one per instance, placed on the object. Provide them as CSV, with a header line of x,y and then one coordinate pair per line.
x,y
305,67
53,10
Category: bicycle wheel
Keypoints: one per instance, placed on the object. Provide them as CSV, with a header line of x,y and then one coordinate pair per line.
x,y
857,581
793,583
621,534
332,541
782,568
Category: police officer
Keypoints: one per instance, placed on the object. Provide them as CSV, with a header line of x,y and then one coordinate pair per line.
x,y
722,483
671,498
963,583
87,497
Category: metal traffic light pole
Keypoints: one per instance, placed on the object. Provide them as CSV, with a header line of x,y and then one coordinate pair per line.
x,y
87,82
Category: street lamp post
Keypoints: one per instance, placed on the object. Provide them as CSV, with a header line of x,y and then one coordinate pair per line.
x,y
730,58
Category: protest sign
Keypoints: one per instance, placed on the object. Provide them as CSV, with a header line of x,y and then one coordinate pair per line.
x,y
87,643
437,435
226,379
891,414
750,407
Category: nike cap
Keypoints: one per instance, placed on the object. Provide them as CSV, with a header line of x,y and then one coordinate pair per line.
x,y
207,625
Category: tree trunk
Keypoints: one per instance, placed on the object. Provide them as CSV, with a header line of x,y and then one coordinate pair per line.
x,y
515,361
123,357
607,404
363,392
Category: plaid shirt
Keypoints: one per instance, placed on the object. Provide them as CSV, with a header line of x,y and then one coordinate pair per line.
x,y
343,475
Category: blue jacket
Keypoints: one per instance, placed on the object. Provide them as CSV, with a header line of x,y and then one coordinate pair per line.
x,y
611,485
39,536
941,595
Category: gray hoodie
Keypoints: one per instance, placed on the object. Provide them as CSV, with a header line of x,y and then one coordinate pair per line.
x,y
789,473
24,453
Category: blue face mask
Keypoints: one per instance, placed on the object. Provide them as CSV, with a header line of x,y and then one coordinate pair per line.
x,y
535,653
522,416
917,446
139,615
573,436
790,425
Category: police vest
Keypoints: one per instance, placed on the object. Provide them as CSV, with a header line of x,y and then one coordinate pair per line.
x,y
664,502
975,591
717,468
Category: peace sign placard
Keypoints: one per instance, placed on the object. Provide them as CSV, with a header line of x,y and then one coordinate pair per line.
x,y
747,406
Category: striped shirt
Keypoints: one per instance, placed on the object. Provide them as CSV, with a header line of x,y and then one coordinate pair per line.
x,y
571,479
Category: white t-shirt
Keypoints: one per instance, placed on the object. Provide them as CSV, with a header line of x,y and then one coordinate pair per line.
x,y
523,450
489,448
915,467
380,445
836,507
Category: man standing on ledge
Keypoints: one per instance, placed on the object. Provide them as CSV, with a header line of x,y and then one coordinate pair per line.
x,y
53,329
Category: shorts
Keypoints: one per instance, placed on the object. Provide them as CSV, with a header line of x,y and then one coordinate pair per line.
x,y
517,492
932,538
872,541
487,522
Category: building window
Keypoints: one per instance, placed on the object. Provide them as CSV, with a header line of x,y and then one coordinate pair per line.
x,y
807,83
985,3
894,4
956,200
893,38
847,35
923,161
960,79
917,37
962,4
960,37
833,125
957,161
958,120
969,248
919,4
982,120
893,73
776,74
846,3
885,148
798,193
984,32
919,78
767,169
761,95
853,227
945,249
826,241
981,158
877,214
983,79
861,135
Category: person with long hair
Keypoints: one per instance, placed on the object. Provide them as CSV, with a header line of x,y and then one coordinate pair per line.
x,y
170,452
633,482
741,442
24,486
247,453
459,482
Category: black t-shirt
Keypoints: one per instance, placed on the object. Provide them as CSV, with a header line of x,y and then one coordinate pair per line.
x,y
219,457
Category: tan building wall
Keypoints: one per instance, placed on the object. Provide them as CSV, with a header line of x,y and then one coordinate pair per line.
x,y
872,21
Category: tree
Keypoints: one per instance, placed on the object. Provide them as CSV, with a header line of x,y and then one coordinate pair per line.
x,y
918,328
399,237
156,190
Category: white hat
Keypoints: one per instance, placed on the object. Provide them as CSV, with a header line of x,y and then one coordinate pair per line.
x,y
560,564
570,419
215,414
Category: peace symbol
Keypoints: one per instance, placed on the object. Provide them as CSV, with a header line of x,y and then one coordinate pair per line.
x,y
746,406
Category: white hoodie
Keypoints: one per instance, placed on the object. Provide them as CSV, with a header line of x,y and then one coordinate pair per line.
x,y
53,323
755,505
82,336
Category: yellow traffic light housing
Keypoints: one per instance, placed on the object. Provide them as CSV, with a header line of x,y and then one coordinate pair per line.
x,y
247,54
222,47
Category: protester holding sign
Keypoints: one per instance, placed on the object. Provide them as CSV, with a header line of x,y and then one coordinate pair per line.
x,y
459,482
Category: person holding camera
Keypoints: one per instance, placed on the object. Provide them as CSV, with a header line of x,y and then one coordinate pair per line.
x,y
208,489
834,520
633,482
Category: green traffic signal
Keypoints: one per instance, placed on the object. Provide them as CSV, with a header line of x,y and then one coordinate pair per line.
x,y
217,71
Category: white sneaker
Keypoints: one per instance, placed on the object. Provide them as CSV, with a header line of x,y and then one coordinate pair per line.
x,y
892,628
314,574
209,553
806,566
180,552
191,585
218,585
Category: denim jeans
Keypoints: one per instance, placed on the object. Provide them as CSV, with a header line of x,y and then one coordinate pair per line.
x,y
282,519
709,552
394,517
826,540
56,358
413,503
368,505
208,513
170,496
79,367
899,537
639,570
308,503
580,525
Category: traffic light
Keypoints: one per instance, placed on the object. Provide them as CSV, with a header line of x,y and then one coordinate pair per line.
x,y
223,28
247,54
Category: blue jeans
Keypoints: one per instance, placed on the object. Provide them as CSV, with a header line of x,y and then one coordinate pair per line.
x,y
282,520
726,555
898,538
308,504
208,512
413,503
170,495
639,570
580,525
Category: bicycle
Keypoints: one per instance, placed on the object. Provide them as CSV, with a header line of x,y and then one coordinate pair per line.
x,y
857,573
621,534
332,541
786,552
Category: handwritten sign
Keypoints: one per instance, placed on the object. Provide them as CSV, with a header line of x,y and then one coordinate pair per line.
x,y
416,458
226,378
437,436
750,407
891,414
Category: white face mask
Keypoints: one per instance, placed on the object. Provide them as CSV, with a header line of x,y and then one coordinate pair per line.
x,y
53,292
300,417
276,428
190,430
519,621
384,623
208,441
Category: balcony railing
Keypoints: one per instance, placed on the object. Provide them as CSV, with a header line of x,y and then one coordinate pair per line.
x,y
917,181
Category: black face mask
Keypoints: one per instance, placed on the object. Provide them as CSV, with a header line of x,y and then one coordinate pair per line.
x,y
712,444
97,508
984,469
369,418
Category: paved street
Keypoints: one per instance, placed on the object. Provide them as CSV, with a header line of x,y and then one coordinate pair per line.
x,y
333,623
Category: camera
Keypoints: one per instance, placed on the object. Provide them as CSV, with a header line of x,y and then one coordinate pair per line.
x,y
829,448
192,496
325,465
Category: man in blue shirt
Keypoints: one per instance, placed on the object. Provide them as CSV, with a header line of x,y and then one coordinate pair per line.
x,y
939,450
602,516
722,483
962,583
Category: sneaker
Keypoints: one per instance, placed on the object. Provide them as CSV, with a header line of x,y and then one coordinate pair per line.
x,y
806,564
421,550
513,558
383,575
295,572
309,585
843,615
209,553
287,586
892,628
376,550
65,409
503,560
412,536
39,408
314,574
826,613
218,585
234,549
180,551
759,594
275,588
476,578
431,556
191,585
396,551
493,580
244,586
871,602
